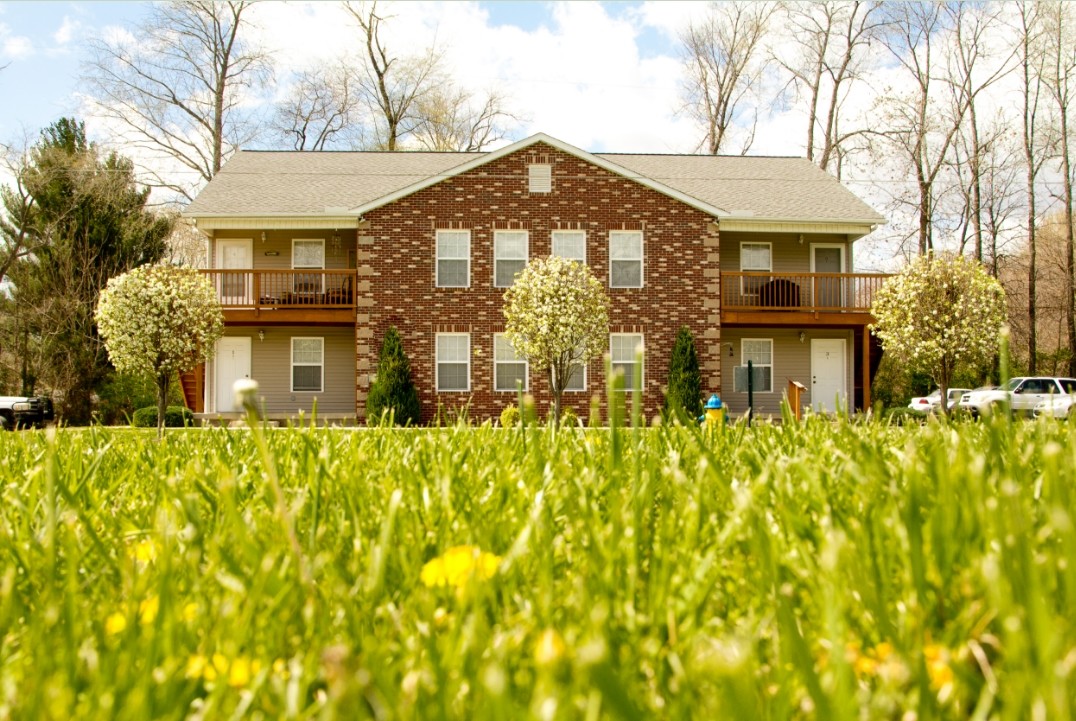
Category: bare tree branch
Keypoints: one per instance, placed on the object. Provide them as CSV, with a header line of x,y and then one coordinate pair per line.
x,y
174,88
722,55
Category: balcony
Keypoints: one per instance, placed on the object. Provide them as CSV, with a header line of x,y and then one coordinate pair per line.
x,y
838,299
285,296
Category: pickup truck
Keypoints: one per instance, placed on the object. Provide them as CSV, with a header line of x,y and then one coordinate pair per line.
x,y
1020,396
25,412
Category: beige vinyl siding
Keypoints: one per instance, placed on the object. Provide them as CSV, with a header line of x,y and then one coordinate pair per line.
x,y
279,242
271,367
791,361
789,256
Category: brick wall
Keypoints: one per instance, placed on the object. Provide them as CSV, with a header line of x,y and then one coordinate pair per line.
x,y
396,267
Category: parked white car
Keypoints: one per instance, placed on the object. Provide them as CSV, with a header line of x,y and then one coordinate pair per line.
x,y
1057,407
930,403
1021,395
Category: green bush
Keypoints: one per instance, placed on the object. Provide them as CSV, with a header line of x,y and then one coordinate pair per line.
x,y
392,389
174,417
568,418
904,416
124,393
510,417
683,399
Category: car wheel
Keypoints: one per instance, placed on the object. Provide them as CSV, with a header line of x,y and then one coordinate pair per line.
x,y
6,424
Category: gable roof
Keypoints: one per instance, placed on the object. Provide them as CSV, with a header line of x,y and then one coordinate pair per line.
x,y
347,184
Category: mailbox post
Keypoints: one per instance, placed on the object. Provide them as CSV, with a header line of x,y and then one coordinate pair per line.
x,y
794,391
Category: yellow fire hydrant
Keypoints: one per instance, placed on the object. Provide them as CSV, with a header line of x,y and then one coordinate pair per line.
x,y
715,412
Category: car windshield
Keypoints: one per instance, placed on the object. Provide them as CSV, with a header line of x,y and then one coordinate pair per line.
x,y
1011,385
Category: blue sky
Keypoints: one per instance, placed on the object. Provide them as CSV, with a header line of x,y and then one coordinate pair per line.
x,y
40,42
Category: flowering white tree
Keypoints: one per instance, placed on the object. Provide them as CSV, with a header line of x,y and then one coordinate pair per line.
x,y
159,320
556,316
941,311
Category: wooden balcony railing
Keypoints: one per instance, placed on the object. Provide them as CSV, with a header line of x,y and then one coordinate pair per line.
x,y
264,289
811,292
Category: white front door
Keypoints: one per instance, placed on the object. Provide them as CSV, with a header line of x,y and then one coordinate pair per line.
x,y
235,288
828,377
233,363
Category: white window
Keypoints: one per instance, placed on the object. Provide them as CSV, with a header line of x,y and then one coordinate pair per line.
x,y
508,366
308,254
577,381
509,256
760,352
453,362
307,364
755,257
453,258
539,177
622,347
570,244
626,259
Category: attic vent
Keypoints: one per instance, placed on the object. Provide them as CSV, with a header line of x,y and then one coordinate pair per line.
x,y
540,177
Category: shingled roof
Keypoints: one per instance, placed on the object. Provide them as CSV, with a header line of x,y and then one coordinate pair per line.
x,y
259,183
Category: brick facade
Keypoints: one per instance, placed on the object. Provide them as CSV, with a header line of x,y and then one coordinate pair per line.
x,y
397,285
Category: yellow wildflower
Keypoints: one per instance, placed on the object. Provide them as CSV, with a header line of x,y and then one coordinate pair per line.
x,y
218,666
190,612
937,660
144,551
872,661
458,565
196,666
237,672
549,649
866,666
147,610
241,670
115,623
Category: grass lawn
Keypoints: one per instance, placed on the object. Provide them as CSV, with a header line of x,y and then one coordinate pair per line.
x,y
816,571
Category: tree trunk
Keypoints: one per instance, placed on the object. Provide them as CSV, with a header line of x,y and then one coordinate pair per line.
x,y
1032,310
976,185
163,381
555,384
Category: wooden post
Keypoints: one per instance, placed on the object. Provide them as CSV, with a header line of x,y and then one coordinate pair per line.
x,y
866,369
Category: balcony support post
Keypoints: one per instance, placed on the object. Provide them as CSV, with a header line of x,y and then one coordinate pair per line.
x,y
866,363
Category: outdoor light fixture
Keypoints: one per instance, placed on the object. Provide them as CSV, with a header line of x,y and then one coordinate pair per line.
x,y
334,243
803,336
261,334
730,348
263,236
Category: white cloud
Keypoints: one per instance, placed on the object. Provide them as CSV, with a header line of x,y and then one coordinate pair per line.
x,y
15,47
66,31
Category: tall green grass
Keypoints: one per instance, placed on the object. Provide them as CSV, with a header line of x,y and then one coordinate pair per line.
x,y
824,570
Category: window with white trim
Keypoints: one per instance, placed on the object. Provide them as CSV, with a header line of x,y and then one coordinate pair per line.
x,y
453,362
453,258
308,254
307,365
760,352
626,259
509,256
577,381
755,257
539,178
508,366
622,347
570,244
